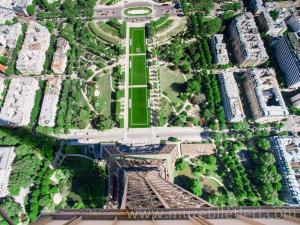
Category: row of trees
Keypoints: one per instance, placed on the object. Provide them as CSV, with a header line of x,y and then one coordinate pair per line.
x,y
264,174
259,161
11,69
49,55
242,187
40,192
73,111
25,166
37,104
207,84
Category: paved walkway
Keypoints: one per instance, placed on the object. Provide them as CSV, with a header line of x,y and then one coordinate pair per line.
x,y
137,86
126,82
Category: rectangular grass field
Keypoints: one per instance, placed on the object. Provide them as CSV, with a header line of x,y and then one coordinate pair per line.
x,y
138,72
139,114
137,40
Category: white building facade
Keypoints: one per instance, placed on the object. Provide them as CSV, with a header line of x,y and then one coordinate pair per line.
x,y
219,49
231,98
246,42
264,96
7,155
33,53
50,101
19,101
287,154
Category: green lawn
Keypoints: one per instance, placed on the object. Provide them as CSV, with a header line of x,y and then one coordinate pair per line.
x,y
139,114
172,84
138,72
137,40
104,100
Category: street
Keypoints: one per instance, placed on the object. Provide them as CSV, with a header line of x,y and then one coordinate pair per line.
x,y
137,136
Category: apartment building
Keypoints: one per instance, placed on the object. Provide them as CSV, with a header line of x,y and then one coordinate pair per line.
x,y
59,61
49,106
7,155
294,22
18,5
231,98
271,27
246,42
33,53
9,35
6,15
19,101
287,53
295,100
287,154
264,96
219,50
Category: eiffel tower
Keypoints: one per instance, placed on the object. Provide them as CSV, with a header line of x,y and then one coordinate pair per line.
x,y
141,191
139,181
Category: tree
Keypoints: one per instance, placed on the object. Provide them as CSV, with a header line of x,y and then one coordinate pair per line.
x,y
263,143
198,99
196,187
181,164
214,25
193,87
30,9
12,209
3,60
50,26
185,66
103,122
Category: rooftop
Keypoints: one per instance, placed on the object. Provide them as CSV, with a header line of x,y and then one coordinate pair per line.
x,y
7,156
9,35
231,97
16,4
287,151
59,61
295,43
249,36
19,102
6,15
49,106
267,92
32,55
220,49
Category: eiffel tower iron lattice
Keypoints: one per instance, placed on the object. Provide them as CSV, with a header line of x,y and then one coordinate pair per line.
x,y
144,181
